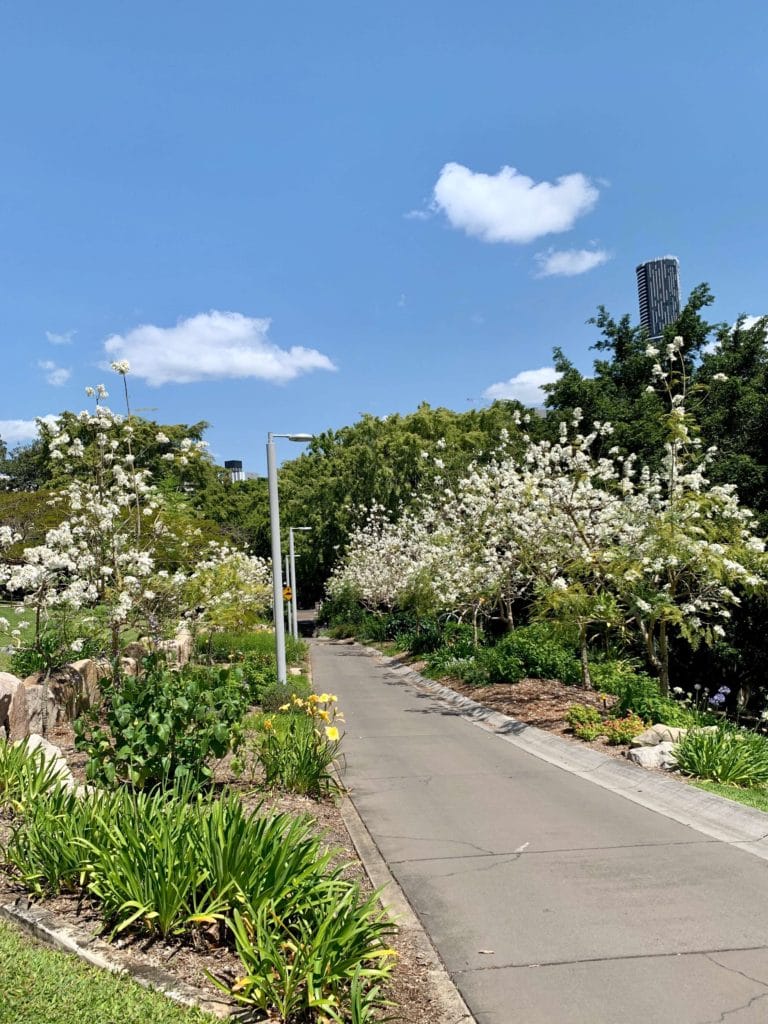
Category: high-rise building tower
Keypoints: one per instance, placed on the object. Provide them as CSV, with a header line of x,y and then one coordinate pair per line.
x,y
235,468
658,289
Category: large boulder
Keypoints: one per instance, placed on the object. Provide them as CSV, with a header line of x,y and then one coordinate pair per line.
x,y
53,756
92,671
14,713
661,755
66,698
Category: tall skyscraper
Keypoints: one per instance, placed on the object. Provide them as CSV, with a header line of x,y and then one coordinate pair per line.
x,y
658,290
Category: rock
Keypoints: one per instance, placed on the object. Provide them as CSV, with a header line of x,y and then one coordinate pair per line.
x,y
669,733
294,670
92,671
129,666
646,757
14,713
66,697
649,738
659,733
659,756
186,645
666,753
137,650
53,756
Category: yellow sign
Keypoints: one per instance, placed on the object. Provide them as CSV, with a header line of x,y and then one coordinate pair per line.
x,y
287,593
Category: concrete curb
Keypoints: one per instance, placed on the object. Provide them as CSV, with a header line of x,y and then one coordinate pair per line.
x,y
50,930
721,819
398,907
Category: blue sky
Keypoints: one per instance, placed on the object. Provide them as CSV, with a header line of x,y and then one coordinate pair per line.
x,y
332,176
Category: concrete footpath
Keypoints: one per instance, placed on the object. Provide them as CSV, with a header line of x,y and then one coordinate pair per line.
x,y
550,898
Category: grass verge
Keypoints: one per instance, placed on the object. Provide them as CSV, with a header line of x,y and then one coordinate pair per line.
x,y
756,796
40,984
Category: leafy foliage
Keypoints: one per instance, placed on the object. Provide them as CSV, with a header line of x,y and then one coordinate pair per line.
x,y
622,730
724,754
164,726
25,775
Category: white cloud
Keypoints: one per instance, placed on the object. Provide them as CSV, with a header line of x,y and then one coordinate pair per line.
x,y
17,431
524,387
509,206
60,339
55,375
569,262
212,346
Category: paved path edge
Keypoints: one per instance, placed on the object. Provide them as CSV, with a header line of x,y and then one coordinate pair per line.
x,y
736,824
52,931
395,902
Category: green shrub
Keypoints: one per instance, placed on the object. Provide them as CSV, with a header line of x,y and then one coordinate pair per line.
x,y
639,694
582,714
458,643
298,746
543,656
260,644
166,863
25,775
164,726
49,847
623,730
586,722
277,694
725,754
341,942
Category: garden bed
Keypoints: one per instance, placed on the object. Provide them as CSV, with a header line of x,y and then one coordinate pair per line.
x,y
410,987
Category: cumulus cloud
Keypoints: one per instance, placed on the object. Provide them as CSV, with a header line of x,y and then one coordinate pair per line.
x,y
569,262
60,339
524,387
18,431
55,375
212,346
509,206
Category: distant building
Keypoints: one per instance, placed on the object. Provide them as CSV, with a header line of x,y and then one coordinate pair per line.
x,y
658,291
235,468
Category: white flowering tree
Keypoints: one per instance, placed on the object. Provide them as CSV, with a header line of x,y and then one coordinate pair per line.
x,y
577,535
108,551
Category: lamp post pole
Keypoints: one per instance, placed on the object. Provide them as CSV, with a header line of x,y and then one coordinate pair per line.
x,y
289,601
277,570
291,531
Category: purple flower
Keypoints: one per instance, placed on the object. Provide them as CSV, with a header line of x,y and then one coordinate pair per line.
x,y
717,699
724,689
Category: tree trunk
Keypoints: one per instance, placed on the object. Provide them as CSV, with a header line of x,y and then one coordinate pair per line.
x,y
663,660
586,678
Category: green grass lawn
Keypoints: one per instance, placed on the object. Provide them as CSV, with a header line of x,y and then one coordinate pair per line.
x,y
756,797
42,986
8,611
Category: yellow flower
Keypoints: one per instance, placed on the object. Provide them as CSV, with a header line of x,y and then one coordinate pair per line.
x,y
332,733
285,707
268,724
313,698
325,698
324,715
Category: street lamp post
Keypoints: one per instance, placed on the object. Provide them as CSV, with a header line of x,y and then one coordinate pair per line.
x,y
288,602
277,573
292,577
